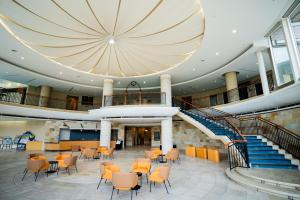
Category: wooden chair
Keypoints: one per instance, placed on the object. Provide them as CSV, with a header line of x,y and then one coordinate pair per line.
x,y
125,182
67,163
141,165
106,171
109,153
160,175
34,166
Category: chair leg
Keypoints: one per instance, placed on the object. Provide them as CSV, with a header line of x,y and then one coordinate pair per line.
x,y
57,170
112,193
147,178
135,192
68,169
37,174
105,180
150,185
25,172
169,182
99,183
166,187
76,168
131,194
118,191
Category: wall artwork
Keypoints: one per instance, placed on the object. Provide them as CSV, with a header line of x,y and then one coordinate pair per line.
x,y
72,103
52,135
157,136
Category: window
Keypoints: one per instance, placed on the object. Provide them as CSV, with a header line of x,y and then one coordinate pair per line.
x,y
280,55
213,100
295,24
87,100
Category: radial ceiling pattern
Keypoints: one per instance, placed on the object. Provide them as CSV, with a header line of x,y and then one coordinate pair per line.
x,y
110,38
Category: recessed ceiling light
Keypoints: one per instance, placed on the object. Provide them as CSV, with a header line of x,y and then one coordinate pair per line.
x,y
6,72
234,31
144,82
22,58
257,63
202,60
217,53
215,80
119,82
92,80
60,73
111,41
194,69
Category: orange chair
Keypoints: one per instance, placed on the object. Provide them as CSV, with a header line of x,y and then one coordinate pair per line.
x,y
41,157
106,171
213,155
60,158
35,166
67,163
141,165
90,153
160,175
108,153
151,155
173,155
124,181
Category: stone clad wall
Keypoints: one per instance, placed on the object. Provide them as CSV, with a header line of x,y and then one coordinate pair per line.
x,y
186,134
290,119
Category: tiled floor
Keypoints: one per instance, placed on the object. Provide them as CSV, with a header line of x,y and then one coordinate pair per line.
x,y
191,179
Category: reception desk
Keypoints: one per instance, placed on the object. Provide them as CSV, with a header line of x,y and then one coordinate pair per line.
x,y
67,145
34,146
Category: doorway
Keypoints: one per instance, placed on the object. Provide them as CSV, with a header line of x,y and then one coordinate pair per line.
x,y
137,136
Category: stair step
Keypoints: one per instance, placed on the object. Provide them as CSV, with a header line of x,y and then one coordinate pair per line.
x,y
250,137
275,190
255,144
266,156
277,166
270,161
261,152
259,148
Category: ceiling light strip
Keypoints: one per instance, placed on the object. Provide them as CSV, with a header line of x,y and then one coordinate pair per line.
x,y
64,46
93,67
144,66
91,9
128,63
116,21
39,32
92,54
73,54
169,28
50,21
108,61
142,20
122,73
65,11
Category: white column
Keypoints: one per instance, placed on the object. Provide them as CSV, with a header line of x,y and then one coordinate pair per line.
x,y
44,96
263,73
105,133
165,87
166,135
107,91
292,48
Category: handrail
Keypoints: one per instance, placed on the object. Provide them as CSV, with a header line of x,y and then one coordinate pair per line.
x,y
216,117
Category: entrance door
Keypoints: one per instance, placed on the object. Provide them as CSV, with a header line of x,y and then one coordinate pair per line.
x,y
137,136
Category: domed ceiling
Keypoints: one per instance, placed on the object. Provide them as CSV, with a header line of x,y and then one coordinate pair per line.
x,y
118,38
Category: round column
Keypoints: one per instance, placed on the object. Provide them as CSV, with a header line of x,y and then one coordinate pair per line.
x,y
232,86
166,135
262,73
165,87
107,92
44,96
105,133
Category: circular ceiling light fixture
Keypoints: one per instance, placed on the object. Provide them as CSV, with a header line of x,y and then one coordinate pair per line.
x,y
112,39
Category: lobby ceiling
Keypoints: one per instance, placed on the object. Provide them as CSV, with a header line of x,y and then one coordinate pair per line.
x,y
110,38
231,27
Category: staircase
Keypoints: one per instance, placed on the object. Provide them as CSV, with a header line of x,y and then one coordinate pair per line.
x,y
264,155
215,127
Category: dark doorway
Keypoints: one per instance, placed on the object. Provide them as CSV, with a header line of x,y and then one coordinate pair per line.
x,y
187,102
137,136
258,88
243,93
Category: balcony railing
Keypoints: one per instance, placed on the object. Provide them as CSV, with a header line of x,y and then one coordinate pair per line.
x,y
135,98
18,97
